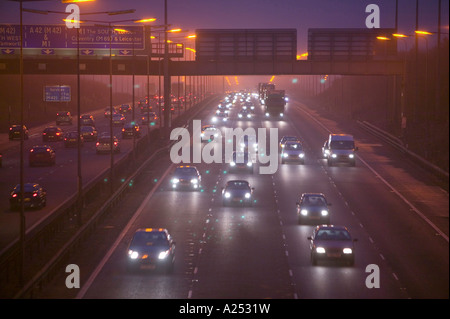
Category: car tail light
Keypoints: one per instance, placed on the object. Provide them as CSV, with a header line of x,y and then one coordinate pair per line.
x,y
14,195
35,194
48,150
115,143
97,144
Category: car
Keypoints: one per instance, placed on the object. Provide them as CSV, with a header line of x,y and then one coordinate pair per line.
x,y
35,196
87,120
71,139
248,143
107,111
131,130
245,114
186,177
284,139
118,119
103,144
149,118
313,207
52,133
293,151
124,108
220,117
209,132
332,242
15,132
237,192
42,155
340,148
151,248
89,133
241,161
63,117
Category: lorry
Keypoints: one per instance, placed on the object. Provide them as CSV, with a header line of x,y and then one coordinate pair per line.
x,y
339,148
274,104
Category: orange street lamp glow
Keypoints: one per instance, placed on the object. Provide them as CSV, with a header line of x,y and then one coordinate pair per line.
x,y
191,36
383,38
398,35
271,79
121,30
174,30
190,49
423,32
72,21
145,20
304,55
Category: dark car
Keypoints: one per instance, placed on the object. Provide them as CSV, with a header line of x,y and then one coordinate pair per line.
x,y
71,139
52,133
89,133
149,118
237,192
293,152
118,119
130,129
35,196
245,114
87,120
124,108
330,242
151,248
313,207
63,117
103,144
42,155
186,177
15,132
241,161
284,139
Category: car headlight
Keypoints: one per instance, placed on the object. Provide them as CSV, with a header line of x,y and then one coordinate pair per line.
x,y
351,156
175,180
304,212
249,116
232,163
240,115
301,155
194,181
333,155
324,212
227,195
267,114
281,114
242,144
133,254
247,195
320,250
285,155
214,119
163,254
249,164
347,251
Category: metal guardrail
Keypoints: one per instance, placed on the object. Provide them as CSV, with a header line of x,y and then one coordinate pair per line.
x,y
47,272
398,144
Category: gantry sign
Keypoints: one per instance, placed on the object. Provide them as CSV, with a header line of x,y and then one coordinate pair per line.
x,y
218,52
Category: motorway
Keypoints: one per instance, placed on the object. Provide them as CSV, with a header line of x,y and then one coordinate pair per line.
x,y
392,206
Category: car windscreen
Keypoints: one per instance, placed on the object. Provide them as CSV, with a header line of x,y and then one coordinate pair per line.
x,y
333,234
238,185
150,239
293,146
185,171
342,145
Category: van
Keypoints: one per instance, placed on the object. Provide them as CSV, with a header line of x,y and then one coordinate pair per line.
x,y
340,148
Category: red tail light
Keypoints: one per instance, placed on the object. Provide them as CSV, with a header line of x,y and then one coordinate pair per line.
x,y
35,194
14,195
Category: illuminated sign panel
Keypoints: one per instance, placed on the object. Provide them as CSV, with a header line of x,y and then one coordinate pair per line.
x,y
59,37
246,44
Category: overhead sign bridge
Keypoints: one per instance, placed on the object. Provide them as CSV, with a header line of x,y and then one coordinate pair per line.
x,y
53,50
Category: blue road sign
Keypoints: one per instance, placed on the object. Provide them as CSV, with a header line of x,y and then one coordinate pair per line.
x,y
59,37
57,93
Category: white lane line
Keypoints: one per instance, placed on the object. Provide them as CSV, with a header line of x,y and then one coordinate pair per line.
x,y
102,263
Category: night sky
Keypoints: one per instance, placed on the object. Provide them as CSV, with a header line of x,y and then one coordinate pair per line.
x,y
250,14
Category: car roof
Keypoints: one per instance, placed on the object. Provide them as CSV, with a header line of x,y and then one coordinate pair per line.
x,y
151,230
331,227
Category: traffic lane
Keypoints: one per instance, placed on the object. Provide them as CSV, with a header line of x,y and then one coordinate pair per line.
x,y
290,181
420,188
243,254
183,213
377,204
404,239
328,279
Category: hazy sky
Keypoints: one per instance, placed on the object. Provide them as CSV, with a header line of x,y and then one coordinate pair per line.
x,y
248,14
